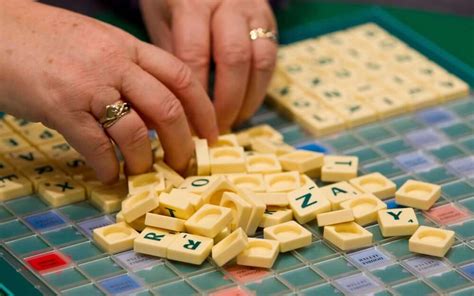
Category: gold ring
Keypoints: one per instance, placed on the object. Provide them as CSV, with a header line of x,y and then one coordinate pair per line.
x,y
263,33
114,112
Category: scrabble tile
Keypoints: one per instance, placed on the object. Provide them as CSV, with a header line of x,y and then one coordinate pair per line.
x,y
137,224
291,235
228,140
307,202
109,198
5,166
37,173
153,241
418,194
431,241
164,222
252,182
189,248
364,208
282,182
56,150
115,238
203,161
39,135
195,199
138,205
260,131
213,192
322,122
146,182
274,199
13,185
302,161
25,157
11,143
19,124
305,180
173,206
262,164
387,104
450,87
419,96
263,145
339,192
227,160
228,248
5,129
339,168
355,113
169,174
209,220
335,217
73,164
60,191
397,222
240,208
348,236
221,235
259,253
274,216
375,183
258,208
198,184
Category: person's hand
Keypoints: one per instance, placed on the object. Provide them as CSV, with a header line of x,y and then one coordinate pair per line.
x,y
63,69
196,29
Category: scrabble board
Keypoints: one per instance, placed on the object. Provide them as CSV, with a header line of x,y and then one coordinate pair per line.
x,y
46,250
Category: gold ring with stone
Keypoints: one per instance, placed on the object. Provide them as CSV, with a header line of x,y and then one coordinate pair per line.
x,y
114,112
263,33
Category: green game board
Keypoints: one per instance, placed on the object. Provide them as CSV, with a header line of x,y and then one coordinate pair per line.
x,y
435,145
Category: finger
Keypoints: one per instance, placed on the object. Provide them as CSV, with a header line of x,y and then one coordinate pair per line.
x,y
263,63
177,77
193,47
157,23
161,108
131,136
92,142
232,55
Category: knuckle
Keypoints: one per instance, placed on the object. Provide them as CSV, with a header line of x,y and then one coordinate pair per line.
x,y
101,145
264,63
138,137
183,77
234,54
171,110
194,55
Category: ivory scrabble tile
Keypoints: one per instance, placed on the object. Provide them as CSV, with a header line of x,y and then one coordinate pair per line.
x,y
261,163
13,185
274,216
291,235
302,161
164,222
450,87
241,209
258,208
169,174
322,121
252,182
339,192
348,236
335,217
11,143
387,104
228,248
203,162
431,241
307,202
307,181
37,173
274,199
153,241
5,166
227,160
261,131
26,157
364,208
282,182
56,150
116,237
198,184
339,168
209,220
138,205
73,164
213,192
375,183
355,113
146,182
263,145
194,198
39,135
189,248
417,194
109,197
60,191
397,222
174,206
228,140
259,253
137,224
221,235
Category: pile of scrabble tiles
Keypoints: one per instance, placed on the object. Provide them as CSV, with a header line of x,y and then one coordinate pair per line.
x,y
253,179
356,76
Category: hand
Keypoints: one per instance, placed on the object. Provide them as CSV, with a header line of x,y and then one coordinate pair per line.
x,y
62,69
193,29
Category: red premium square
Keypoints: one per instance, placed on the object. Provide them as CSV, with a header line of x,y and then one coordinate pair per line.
x,y
47,262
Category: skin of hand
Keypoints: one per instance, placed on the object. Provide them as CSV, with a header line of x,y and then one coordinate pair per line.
x,y
63,69
195,30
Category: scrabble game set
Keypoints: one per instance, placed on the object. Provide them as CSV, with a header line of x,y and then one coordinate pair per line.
x,y
355,178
